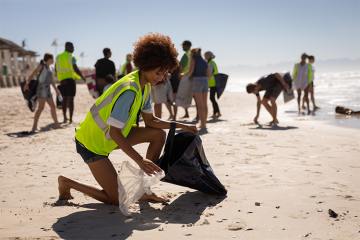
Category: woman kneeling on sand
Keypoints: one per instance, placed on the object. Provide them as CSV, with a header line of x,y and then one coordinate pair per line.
x,y
109,124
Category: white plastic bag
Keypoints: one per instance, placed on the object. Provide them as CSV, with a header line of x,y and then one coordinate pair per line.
x,y
132,184
184,94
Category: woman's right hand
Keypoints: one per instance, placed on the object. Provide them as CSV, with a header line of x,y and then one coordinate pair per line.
x,y
148,166
26,87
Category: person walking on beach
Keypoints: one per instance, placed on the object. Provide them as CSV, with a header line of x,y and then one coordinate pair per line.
x,y
200,72
311,87
43,89
67,72
175,81
127,67
103,68
209,56
273,84
185,64
109,123
302,78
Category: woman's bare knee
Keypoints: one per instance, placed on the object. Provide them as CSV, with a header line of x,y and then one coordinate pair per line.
x,y
159,135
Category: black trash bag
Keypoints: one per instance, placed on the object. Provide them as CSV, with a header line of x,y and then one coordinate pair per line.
x,y
58,103
30,96
221,80
185,164
287,78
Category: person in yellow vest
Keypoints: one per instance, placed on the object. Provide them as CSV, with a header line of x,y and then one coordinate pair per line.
x,y
209,56
302,78
127,67
185,64
109,124
67,72
311,89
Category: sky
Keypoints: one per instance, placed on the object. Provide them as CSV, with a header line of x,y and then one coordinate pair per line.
x,y
253,33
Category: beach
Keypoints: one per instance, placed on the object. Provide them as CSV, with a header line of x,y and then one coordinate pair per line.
x,y
281,181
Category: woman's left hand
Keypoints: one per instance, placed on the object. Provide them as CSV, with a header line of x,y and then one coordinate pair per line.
x,y
190,128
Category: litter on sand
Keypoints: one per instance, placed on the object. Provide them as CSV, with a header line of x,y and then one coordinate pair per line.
x,y
132,184
332,214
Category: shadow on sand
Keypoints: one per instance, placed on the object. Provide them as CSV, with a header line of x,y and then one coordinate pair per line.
x,y
100,221
267,127
49,127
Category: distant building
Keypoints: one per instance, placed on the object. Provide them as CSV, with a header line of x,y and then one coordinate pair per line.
x,y
10,53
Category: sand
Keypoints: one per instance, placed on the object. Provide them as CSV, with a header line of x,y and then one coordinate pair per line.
x,y
281,181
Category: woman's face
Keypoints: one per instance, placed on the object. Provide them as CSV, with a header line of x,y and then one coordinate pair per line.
x,y
207,57
154,76
50,61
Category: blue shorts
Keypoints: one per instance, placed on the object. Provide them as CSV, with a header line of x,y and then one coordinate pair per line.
x,y
86,154
200,84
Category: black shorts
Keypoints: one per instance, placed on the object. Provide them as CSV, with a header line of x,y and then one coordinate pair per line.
x,y
175,85
274,91
86,154
68,87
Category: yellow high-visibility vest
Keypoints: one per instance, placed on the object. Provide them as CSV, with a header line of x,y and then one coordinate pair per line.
x,y
309,72
64,67
124,69
94,132
187,67
211,80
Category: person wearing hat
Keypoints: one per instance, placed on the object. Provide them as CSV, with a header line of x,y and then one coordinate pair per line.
x,y
185,64
209,56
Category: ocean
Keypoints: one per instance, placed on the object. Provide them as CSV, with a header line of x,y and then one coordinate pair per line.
x,y
331,90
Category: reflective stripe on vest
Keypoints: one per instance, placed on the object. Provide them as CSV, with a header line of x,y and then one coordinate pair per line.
x,y
309,72
211,80
187,67
95,109
94,132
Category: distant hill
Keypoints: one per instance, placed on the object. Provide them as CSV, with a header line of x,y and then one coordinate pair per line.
x,y
321,66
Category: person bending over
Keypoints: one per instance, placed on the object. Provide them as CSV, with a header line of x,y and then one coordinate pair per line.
x,y
273,84
109,124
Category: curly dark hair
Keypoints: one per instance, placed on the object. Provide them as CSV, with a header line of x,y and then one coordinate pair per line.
x,y
155,50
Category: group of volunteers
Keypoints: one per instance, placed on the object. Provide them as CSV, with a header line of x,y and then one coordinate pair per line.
x,y
165,91
112,122
275,83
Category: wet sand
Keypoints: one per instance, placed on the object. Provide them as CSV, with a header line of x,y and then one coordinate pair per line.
x,y
295,172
